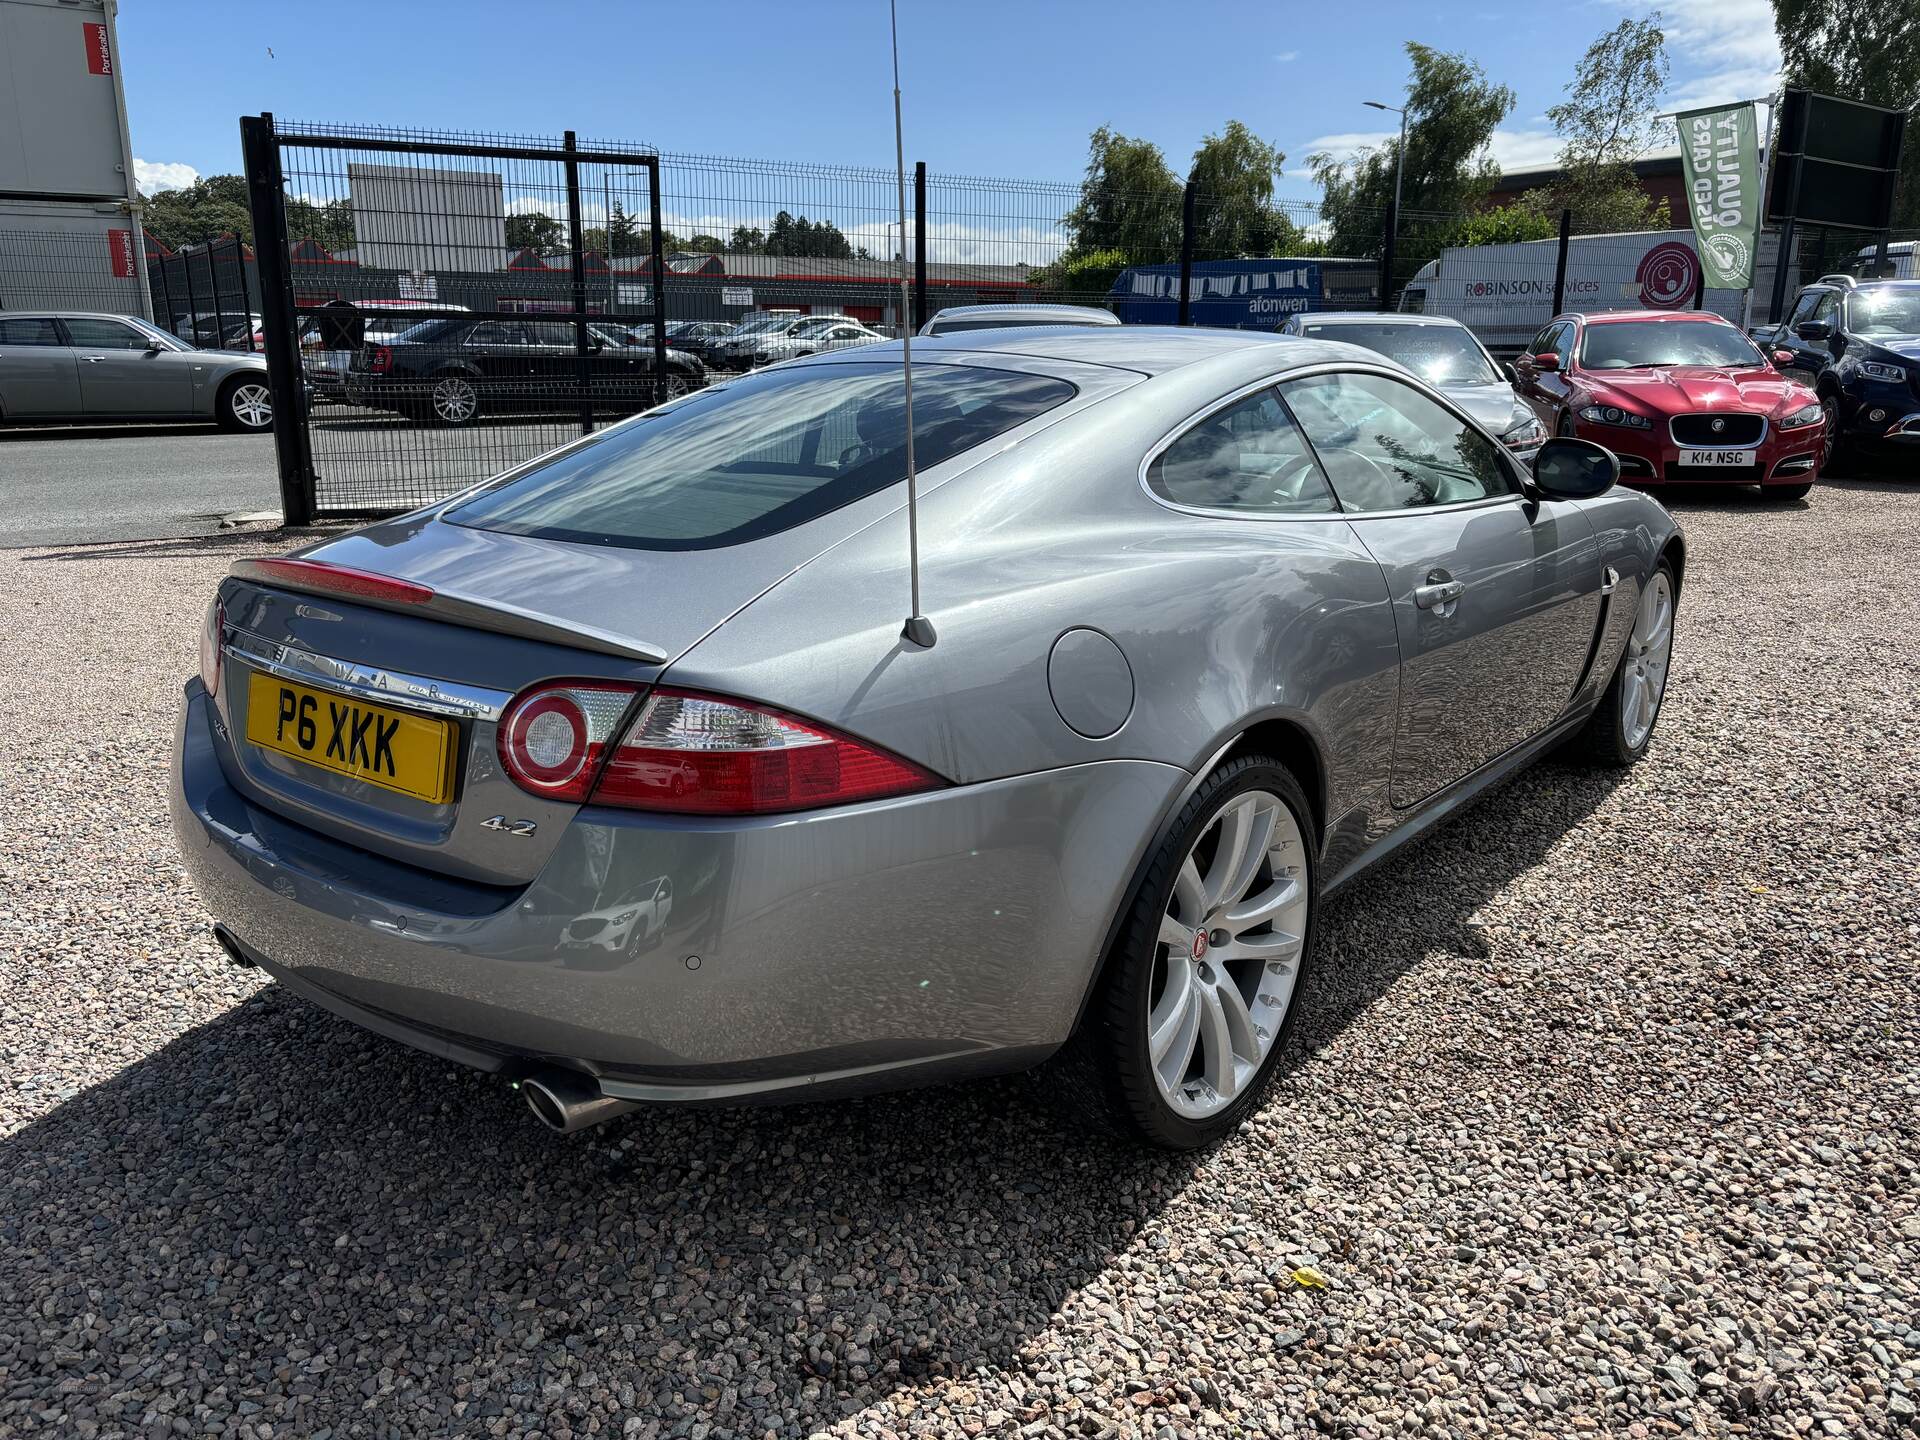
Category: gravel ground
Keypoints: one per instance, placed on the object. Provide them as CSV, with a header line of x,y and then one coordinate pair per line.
x,y
1602,1119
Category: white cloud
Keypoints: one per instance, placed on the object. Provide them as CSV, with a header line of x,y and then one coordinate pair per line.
x,y
1720,50
1348,143
1287,57
153,176
1524,149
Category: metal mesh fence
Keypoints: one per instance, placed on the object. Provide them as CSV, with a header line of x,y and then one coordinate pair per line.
x,y
80,266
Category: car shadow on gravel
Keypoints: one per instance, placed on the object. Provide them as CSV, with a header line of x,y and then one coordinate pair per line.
x,y
312,1213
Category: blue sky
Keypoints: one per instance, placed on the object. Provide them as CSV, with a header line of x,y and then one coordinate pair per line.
x,y
991,88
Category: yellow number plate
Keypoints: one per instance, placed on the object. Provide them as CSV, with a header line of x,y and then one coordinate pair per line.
x,y
389,748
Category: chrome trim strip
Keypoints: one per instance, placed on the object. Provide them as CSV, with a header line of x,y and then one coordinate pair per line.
x,y
1758,440
416,692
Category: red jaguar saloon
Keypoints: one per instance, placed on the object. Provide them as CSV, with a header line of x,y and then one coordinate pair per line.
x,y
1679,396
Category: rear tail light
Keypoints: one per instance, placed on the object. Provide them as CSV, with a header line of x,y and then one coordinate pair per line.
x,y
553,737
698,755
330,579
381,361
210,632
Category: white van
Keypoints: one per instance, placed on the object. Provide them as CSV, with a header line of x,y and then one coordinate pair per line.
x,y
1504,293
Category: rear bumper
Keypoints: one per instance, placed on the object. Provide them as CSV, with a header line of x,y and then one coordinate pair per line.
x,y
858,949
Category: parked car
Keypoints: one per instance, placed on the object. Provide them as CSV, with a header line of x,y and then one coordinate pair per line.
x,y
452,372
1679,395
232,330
69,365
1442,352
773,338
1858,346
1217,619
957,319
699,338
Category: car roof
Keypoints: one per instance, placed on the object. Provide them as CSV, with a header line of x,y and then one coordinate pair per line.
x,y
1144,349
1034,308
77,315
1371,317
1681,317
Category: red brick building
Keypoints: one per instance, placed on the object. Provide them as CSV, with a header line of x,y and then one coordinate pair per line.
x,y
1659,174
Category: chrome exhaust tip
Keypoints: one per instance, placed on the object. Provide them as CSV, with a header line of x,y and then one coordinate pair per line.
x,y
565,1101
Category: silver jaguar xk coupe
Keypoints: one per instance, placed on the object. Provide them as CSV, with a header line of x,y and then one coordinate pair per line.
x,y
617,776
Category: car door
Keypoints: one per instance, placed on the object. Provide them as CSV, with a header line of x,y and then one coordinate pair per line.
x,y
38,374
1810,357
1495,596
120,376
1528,376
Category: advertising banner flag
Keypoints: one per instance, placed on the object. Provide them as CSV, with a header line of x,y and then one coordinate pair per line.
x,y
1720,149
99,53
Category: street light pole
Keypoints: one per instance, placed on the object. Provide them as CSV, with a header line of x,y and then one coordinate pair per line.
x,y
1399,174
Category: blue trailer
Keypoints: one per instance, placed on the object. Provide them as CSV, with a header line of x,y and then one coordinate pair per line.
x,y
1246,294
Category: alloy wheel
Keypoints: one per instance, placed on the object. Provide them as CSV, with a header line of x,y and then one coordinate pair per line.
x,y
1649,650
1830,439
1228,954
252,405
676,386
454,400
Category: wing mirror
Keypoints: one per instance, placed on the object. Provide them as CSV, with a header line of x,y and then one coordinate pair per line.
x,y
1782,359
154,347
1546,360
1815,330
1569,469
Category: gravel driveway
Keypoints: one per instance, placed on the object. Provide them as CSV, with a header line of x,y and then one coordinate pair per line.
x,y
1601,1120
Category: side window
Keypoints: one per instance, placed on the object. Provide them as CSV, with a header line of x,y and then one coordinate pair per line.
x,y
1827,307
1803,307
1249,457
1563,343
491,333
1543,342
105,335
1388,447
30,332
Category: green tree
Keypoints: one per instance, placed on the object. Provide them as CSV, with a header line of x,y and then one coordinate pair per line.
x,y
1452,112
706,244
1605,124
797,235
1129,202
1084,277
1501,226
214,205
536,231
748,239
330,223
1234,214
1860,50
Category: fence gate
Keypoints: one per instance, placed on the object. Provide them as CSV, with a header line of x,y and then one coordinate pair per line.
x,y
439,308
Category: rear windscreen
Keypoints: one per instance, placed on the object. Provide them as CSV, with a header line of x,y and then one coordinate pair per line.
x,y
759,455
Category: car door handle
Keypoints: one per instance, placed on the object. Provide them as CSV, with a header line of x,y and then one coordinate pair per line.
x,y
1438,594
93,359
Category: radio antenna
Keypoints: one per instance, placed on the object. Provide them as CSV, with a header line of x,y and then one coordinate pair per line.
x,y
919,629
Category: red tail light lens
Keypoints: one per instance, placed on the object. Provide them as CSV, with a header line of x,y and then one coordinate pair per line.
x,y
696,754
334,580
210,633
552,737
381,361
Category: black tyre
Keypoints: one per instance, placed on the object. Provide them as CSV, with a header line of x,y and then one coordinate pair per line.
x,y
245,404
1622,727
1833,444
1196,1003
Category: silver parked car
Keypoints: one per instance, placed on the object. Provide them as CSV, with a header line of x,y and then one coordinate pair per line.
x,y
956,319
1444,353
73,366
1218,620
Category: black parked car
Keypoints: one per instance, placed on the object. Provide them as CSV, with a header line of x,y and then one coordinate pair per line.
x,y
1857,343
452,372
698,337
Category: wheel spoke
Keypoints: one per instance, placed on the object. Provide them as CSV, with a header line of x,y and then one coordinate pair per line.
x,y
1216,1044
1236,829
1282,894
1191,892
1170,1047
1275,945
1176,935
1233,1006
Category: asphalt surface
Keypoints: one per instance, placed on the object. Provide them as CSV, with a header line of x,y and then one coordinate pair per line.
x,y
61,486
1602,1116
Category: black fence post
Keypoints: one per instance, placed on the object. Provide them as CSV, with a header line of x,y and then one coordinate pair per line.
x,y
266,194
1186,254
192,337
246,299
1560,264
166,289
919,245
576,241
658,250
1386,257
1700,287
219,311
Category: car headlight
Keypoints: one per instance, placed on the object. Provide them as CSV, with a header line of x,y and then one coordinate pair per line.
x,y
1614,415
1525,433
1799,419
1874,370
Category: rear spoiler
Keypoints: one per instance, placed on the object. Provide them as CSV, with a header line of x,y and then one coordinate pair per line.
x,y
408,597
